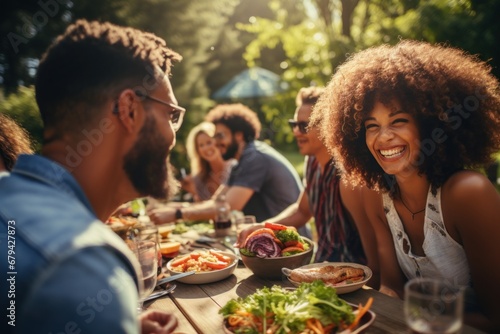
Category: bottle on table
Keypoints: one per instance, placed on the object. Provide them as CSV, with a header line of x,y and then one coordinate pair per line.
x,y
222,221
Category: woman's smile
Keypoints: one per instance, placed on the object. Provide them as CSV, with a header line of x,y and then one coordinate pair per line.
x,y
393,153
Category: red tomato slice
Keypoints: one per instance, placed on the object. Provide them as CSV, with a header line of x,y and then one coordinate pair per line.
x,y
275,227
180,261
291,250
220,256
216,265
294,243
195,256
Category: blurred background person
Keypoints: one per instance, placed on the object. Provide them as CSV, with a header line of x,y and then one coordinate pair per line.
x,y
208,169
262,184
14,140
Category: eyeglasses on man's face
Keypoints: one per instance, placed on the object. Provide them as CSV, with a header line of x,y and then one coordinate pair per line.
x,y
302,125
176,114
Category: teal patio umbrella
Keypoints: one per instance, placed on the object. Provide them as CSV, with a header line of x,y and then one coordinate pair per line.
x,y
254,82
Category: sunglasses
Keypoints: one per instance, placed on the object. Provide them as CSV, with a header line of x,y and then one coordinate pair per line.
x,y
302,125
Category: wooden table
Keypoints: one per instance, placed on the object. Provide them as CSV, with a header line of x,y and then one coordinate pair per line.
x,y
197,306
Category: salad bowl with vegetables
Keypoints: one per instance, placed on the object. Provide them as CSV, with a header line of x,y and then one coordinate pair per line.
x,y
275,246
311,308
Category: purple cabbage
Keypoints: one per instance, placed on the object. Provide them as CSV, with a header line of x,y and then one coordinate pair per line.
x,y
263,245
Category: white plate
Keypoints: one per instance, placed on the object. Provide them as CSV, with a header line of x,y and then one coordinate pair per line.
x,y
342,288
209,276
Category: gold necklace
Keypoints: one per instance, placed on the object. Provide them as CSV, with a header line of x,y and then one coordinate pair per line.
x,y
412,213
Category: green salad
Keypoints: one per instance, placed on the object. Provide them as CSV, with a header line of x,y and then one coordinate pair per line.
x,y
313,306
200,226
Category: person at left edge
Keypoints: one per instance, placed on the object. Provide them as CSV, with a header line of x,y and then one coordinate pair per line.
x,y
110,117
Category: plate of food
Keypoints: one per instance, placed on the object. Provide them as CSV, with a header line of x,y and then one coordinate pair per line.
x,y
345,277
209,266
311,307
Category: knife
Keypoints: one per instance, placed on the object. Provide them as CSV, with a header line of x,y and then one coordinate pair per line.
x,y
174,277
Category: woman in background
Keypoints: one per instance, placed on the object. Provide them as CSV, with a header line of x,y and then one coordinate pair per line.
x,y
408,121
208,169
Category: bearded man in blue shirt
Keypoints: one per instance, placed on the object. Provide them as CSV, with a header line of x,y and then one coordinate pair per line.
x,y
110,118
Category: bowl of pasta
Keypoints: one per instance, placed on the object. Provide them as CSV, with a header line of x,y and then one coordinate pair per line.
x,y
209,266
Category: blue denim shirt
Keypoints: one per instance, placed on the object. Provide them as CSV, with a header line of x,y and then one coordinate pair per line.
x,y
66,272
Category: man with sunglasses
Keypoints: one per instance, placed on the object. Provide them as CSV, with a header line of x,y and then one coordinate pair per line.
x,y
262,184
110,118
338,238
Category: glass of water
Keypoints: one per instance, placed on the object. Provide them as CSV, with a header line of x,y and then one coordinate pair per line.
x,y
433,306
146,252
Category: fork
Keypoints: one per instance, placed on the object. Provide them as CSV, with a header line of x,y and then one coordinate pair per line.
x,y
160,293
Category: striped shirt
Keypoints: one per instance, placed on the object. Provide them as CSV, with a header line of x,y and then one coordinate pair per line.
x,y
338,238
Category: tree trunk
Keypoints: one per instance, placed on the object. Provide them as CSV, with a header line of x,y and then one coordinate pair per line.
x,y
348,7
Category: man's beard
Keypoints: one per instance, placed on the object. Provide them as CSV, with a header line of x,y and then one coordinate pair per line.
x,y
231,150
147,165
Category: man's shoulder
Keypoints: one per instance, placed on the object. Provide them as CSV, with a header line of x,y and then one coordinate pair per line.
x,y
91,287
265,149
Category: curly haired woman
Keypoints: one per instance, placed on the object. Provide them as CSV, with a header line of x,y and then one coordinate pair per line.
x,y
405,122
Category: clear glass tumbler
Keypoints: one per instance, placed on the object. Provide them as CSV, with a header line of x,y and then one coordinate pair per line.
x,y
433,306
146,252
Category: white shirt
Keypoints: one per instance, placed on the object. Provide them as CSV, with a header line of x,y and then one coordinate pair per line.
x,y
444,257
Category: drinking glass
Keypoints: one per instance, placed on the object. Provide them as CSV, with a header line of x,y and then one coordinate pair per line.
x,y
433,306
146,252
150,232
240,222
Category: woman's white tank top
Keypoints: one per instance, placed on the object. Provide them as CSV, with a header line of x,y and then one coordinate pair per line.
x,y
444,257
